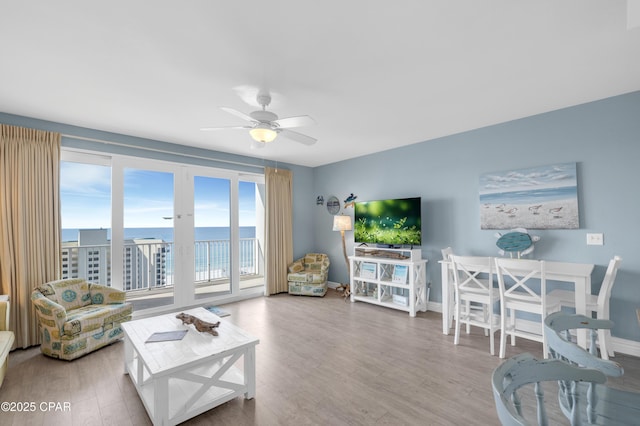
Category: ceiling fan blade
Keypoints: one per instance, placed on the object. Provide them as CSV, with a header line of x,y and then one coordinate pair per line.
x,y
298,137
225,128
298,121
239,114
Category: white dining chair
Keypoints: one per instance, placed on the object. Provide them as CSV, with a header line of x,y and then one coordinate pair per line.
x,y
595,303
447,252
518,281
475,296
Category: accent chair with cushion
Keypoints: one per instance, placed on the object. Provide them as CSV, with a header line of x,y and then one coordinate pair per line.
x,y
308,275
77,317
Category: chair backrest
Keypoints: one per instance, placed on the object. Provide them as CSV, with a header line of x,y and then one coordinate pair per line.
x,y
510,378
446,252
316,262
70,293
467,271
559,340
605,289
521,275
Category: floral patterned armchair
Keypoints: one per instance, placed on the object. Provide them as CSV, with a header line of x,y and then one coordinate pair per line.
x,y
77,317
308,275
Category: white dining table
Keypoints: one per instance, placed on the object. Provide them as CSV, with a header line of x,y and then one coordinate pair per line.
x,y
579,274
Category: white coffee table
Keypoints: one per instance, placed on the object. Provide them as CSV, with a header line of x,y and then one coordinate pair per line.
x,y
178,380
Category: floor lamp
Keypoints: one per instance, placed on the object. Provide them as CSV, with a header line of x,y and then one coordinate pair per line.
x,y
343,223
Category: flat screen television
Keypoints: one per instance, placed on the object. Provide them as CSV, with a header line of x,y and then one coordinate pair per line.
x,y
393,222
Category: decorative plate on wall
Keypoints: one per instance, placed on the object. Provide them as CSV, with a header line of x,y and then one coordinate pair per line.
x,y
333,205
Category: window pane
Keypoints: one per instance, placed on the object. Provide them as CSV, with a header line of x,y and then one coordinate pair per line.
x,y
85,199
212,199
251,208
148,238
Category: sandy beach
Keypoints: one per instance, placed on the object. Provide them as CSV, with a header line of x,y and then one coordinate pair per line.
x,y
557,214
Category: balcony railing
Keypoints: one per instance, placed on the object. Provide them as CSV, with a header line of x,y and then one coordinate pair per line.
x,y
150,265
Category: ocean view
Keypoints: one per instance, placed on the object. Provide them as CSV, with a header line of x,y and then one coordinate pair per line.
x,y
529,196
166,234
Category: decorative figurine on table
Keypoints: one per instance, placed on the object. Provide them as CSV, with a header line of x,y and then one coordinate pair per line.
x,y
517,241
200,325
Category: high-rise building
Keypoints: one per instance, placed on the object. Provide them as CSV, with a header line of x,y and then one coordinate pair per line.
x,y
145,260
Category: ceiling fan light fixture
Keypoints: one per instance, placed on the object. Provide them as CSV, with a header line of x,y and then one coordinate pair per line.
x,y
263,133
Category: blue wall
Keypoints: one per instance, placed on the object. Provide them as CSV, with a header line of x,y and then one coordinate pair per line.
x,y
602,137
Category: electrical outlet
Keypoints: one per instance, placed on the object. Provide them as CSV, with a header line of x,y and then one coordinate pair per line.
x,y
595,239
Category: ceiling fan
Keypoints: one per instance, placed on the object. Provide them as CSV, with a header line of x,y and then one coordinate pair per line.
x,y
265,126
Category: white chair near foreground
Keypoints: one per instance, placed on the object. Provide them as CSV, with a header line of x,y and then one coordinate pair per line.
x,y
475,296
522,285
596,303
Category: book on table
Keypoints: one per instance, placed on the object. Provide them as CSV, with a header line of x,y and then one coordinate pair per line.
x,y
166,336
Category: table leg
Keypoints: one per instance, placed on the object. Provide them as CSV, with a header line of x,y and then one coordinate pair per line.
x,y
128,354
250,372
447,300
582,288
161,401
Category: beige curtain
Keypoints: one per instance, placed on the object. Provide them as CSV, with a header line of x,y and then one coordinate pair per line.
x,y
279,228
29,221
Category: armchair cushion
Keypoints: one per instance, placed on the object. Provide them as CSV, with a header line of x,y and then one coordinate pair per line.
x,y
77,317
296,266
70,294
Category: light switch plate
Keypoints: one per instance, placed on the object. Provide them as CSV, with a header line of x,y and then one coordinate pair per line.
x,y
595,239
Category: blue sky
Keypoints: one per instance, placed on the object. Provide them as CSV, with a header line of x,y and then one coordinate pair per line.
x,y
551,176
86,198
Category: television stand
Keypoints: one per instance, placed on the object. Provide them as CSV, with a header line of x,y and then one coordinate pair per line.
x,y
393,278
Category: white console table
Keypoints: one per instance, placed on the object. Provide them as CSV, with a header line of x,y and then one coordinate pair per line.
x,y
394,278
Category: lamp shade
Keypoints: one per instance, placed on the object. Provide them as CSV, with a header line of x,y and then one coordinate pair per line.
x,y
342,223
263,133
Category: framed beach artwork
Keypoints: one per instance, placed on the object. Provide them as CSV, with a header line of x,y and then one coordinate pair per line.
x,y
544,197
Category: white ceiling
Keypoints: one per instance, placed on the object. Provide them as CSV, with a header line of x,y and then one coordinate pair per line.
x,y
373,74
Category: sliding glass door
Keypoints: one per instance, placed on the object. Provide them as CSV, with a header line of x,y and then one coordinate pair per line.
x,y
169,234
229,234
148,273
212,229
251,229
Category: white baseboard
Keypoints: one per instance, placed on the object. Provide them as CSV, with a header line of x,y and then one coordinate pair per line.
x,y
625,346
332,284
434,306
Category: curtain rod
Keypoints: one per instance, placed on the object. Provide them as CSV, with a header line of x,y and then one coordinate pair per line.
x,y
162,151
